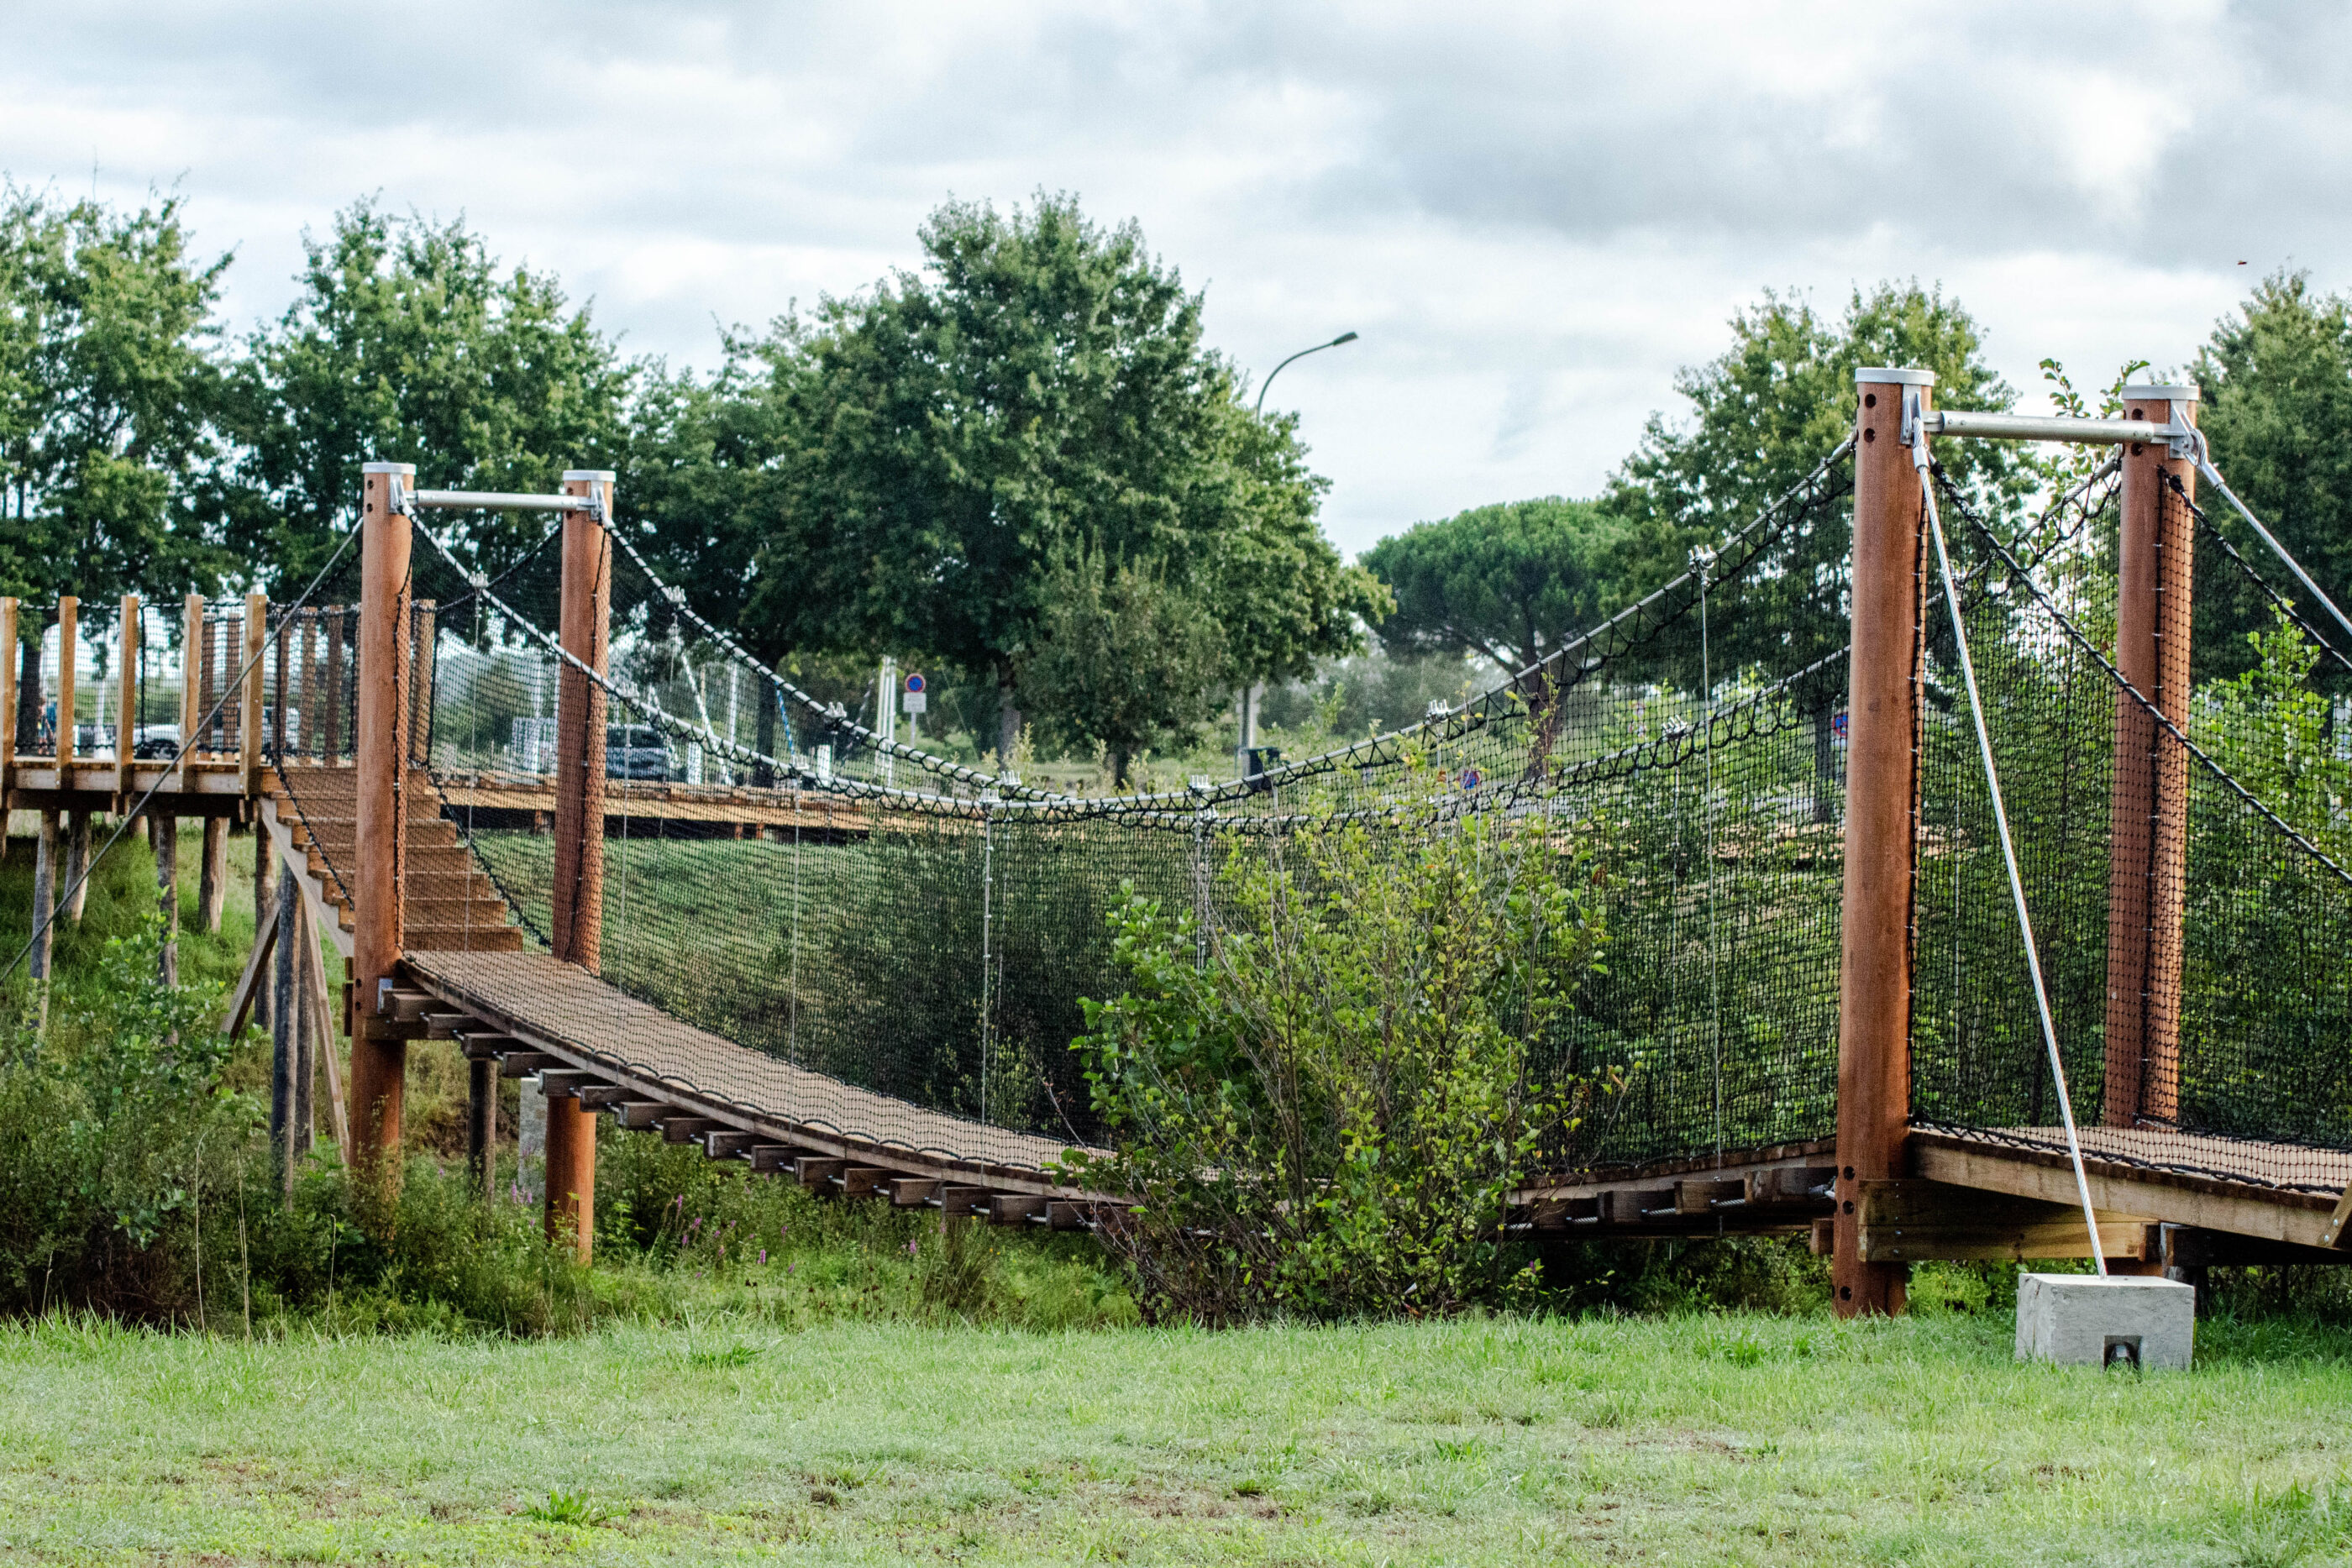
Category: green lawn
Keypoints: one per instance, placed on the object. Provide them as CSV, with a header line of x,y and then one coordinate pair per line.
x,y
1700,1439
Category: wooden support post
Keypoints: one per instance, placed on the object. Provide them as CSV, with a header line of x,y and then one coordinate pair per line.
x,y
212,877
378,1055
285,1030
265,905
1881,820
306,734
7,714
2148,820
73,891
579,902
482,1120
191,681
323,1014
252,734
126,710
420,701
207,684
330,702
302,941
45,898
164,822
68,614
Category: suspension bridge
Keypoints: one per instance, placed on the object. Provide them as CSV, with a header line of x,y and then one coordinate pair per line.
x,y
857,963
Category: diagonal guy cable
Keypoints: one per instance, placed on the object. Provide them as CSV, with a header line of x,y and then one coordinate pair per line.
x,y
2008,848
228,689
2205,467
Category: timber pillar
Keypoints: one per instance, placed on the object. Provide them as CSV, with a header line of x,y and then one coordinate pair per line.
x,y
2148,820
579,896
1882,802
379,1050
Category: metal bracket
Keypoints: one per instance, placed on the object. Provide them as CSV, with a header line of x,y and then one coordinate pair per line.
x,y
397,497
1914,435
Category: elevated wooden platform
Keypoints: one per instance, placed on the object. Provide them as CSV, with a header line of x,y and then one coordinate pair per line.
x,y
527,801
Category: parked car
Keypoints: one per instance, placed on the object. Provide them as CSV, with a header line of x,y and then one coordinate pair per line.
x,y
636,751
155,742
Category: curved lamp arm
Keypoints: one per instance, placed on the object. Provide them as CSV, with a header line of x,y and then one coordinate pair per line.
x,y
1342,337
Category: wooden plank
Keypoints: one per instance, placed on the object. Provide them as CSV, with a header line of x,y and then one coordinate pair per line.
x,y
1909,1220
249,985
638,1115
603,1097
909,1192
859,1181
444,1026
2209,1206
565,1082
476,1045
126,705
1805,1184
959,1199
817,1171
728,1144
523,1063
1060,1216
1014,1209
772,1157
1700,1196
681,1129
1631,1206
2186,1247
323,1019
410,1007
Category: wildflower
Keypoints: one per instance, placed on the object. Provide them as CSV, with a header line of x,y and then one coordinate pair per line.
x,y
763,1257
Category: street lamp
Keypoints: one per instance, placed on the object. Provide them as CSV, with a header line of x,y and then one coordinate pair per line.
x,y
1342,337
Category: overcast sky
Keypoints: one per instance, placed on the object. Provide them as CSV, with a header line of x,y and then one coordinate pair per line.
x,y
1533,213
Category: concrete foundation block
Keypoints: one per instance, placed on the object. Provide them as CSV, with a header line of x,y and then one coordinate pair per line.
x,y
2082,1320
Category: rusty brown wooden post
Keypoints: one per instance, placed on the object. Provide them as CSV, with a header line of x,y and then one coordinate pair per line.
x,y
126,706
193,660
68,615
379,1051
2148,821
330,710
579,902
1881,821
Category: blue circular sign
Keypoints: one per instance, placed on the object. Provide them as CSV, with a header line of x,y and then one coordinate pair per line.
x,y
914,683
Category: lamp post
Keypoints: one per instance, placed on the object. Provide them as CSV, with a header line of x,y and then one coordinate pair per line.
x,y
1248,696
1342,337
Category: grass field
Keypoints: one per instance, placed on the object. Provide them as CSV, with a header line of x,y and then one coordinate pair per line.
x,y
1672,1440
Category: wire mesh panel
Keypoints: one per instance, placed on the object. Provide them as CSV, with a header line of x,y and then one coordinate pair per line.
x,y
2218,1049
786,880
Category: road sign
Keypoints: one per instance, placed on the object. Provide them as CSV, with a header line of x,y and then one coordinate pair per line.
x,y
914,698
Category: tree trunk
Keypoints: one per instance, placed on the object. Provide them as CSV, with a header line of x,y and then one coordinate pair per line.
x,y
1008,725
76,886
1825,766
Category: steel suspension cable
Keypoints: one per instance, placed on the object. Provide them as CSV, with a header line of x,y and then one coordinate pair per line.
x,y
2205,467
2000,825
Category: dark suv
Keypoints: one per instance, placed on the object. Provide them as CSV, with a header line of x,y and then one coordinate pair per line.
x,y
635,751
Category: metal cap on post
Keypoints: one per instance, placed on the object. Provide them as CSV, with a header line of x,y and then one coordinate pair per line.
x,y
1883,716
585,624
2149,816
379,1053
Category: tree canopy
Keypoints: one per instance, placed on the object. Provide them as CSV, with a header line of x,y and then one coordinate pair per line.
x,y
409,343
2275,382
108,388
1039,388
1764,412
1509,583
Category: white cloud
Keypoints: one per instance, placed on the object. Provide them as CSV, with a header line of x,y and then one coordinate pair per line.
x,y
1533,215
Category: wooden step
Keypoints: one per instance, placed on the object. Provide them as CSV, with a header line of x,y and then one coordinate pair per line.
x,y
458,940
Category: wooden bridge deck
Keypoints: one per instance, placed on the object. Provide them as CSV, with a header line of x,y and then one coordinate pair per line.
x,y
643,1056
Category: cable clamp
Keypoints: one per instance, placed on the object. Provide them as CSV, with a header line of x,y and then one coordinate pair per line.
x,y
674,594
477,580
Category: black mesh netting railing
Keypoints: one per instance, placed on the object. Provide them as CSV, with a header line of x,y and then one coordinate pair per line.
x,y
909,925
2255,783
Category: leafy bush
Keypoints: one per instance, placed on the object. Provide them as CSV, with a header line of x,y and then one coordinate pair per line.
x,y
113,1130
1323,1098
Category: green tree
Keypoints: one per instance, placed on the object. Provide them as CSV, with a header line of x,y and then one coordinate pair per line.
x,y
408,343
1509,583
106,389
1041,383
1119,655
1765,414
2276,388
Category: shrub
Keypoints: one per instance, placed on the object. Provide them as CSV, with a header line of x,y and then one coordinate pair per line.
x,y
1323,1098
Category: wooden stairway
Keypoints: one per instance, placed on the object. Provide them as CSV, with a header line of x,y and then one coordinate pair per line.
x,y
448,904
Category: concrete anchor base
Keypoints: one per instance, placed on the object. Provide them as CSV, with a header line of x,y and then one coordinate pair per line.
x,y
2080,1320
